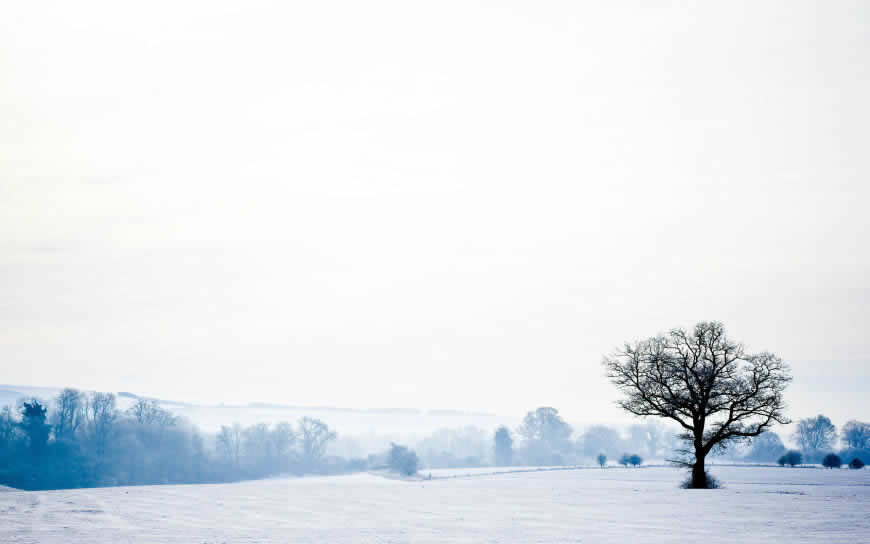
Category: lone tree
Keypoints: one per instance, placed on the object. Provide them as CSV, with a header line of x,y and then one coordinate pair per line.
x,y
602,460
705,382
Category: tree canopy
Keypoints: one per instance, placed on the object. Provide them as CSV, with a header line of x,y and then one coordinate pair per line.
x,y
708,384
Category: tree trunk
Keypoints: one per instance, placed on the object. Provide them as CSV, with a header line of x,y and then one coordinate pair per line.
x,y
699,476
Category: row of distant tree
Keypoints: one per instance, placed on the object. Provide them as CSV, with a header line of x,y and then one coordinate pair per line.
x,y
816,437
83,440
544,438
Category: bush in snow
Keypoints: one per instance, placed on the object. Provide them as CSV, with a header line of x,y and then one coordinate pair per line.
x,y
635,460
402,460
791,458
602,460
832,460
856,464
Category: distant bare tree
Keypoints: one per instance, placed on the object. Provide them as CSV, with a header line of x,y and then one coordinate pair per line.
x,y
815,433
147,412
283,438
258,447
229,442
856,434
153,420
7,426
314,436
708,384
545,435
101,415
68,413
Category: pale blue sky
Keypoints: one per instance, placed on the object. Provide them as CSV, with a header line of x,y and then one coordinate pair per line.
x,y
459,204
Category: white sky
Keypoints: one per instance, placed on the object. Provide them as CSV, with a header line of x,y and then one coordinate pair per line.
x,y
442,204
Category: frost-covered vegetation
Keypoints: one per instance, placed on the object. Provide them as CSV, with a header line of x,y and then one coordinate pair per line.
x,y
81,439
84,440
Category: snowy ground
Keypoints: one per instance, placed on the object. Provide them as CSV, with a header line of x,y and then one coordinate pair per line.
x,y
759,504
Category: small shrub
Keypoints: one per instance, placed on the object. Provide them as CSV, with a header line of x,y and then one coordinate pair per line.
x,y
791,458
625,460
602,460
635,460
856,464
832,460
402,460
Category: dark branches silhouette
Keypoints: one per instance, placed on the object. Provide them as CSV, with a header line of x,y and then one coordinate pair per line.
x,y
706,383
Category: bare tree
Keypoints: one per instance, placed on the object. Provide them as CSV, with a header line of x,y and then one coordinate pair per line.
x,y
147,412
229,442
68,413
101,415
708,384
258,447
7,426
283,437
815,433
856,434
545,426
153,421
314,436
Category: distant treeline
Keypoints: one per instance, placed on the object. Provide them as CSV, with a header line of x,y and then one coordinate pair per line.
x,y
84,440
816,438
544,438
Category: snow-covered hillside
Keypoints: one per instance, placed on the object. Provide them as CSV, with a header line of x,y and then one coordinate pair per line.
x,y
758,504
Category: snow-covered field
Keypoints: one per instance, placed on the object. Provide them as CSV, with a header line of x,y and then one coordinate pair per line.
x,y
758,504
